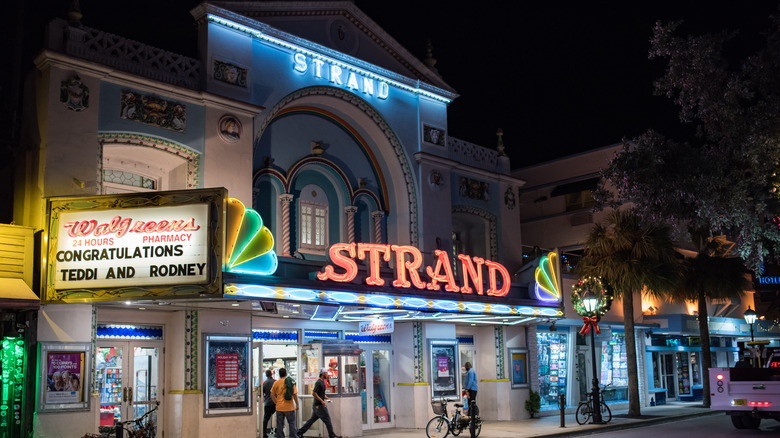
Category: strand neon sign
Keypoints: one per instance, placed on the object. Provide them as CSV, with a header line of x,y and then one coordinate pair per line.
x,y
408,261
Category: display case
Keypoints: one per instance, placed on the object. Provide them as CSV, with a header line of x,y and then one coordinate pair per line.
x,y
109,374
341,359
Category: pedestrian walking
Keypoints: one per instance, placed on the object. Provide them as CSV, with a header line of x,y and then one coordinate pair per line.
x,y
285,394
319,410
470,385
269,407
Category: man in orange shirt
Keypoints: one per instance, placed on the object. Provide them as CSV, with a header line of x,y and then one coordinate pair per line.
x,y
285,394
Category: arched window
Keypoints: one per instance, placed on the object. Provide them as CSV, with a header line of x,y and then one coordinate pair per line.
x,y
313,220
141,165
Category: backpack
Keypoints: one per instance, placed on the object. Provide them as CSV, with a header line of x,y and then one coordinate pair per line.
x,y
289,386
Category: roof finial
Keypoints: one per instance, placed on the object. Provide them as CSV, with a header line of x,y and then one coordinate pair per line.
x,y
74,14
500,146
429,60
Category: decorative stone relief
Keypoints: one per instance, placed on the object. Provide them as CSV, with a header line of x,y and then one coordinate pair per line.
x,y
74,94
152,110
435,180
509,198
230,128
474,189
433,135
230,73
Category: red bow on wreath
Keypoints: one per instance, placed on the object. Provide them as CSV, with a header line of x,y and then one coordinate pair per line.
x,y
593,321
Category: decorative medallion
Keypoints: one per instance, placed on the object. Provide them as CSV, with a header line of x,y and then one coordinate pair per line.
x,y
74,94
471,188
230,128
230,73
509,198
548,278
433,135
152,110
342,36
249,244
435,180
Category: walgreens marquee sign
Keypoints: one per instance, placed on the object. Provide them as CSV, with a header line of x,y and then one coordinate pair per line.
x,y
132,247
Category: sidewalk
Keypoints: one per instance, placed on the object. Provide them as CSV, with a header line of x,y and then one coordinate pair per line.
x,y
551,426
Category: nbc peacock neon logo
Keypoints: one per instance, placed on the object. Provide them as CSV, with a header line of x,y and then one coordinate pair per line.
x,y
548,278
249,243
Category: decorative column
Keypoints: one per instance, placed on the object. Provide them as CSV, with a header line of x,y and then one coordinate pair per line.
x,y
190,350
419,352
350,212
286,199
498,331
95,391
378,217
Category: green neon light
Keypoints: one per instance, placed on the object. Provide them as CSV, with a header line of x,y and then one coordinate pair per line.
x,y
12,358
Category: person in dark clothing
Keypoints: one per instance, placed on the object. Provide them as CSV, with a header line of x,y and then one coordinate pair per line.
x,y
319,411
269,407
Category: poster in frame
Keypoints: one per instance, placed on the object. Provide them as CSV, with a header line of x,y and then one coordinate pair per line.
x,y
518,360
445,368
65,376
226,374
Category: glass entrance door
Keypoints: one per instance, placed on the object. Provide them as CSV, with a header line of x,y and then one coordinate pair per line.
x,y
376,369
129,377
668,376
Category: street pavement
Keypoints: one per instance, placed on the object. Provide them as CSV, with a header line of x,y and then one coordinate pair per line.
x,y
550,426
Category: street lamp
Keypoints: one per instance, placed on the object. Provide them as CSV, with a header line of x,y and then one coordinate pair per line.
x,y
591,298
591,304
750,318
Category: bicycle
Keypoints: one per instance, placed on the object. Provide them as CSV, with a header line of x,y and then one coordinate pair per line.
x,y
585,410
442,425
142,427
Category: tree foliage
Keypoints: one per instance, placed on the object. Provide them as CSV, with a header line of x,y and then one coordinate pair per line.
x,y
633,258
723,179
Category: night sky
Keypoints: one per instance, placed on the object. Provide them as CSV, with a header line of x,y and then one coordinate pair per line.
x,y
559,77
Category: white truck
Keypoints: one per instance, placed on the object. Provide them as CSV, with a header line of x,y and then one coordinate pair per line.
x,y
747,394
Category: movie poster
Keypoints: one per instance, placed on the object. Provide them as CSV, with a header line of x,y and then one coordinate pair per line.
x,y
64,375
228,389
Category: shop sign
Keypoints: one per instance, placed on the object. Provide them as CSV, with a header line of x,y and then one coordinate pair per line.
x,y
376,326
132,247
408,260
343,77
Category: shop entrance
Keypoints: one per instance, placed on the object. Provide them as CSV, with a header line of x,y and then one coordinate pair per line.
x,y
267,356
667,373
375,366
130,380
584,372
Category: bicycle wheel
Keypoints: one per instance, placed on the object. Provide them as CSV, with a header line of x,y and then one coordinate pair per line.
x,y
438,427
606,413
477,427
583,413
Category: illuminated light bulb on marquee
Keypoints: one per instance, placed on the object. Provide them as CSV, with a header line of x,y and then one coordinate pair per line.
x,y
408,260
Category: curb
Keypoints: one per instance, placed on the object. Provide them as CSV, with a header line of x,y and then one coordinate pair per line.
x,y
632,425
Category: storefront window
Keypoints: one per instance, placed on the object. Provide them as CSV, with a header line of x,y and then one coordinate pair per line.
x,y
553,360
614,369
683,374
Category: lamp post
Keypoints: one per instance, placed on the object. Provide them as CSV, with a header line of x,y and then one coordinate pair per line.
x,y
750,318
591,302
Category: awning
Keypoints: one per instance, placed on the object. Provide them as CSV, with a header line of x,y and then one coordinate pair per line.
x,y
576,186
15,294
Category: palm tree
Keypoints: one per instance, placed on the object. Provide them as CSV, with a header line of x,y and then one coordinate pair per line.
x,y
711,274
633,257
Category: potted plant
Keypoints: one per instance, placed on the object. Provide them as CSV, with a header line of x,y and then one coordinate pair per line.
x,y
534,403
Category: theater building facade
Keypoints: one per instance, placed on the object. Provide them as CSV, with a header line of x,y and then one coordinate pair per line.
x,y
290,199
